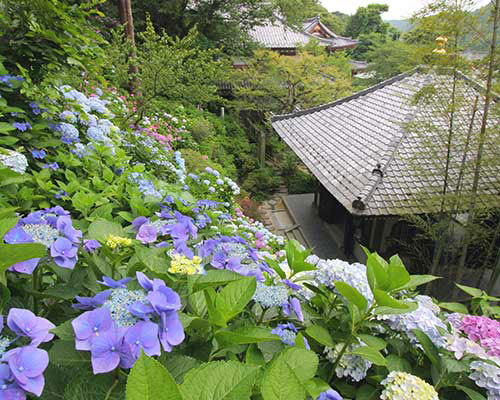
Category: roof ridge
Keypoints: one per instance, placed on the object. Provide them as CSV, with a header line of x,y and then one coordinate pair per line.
x,y
348,98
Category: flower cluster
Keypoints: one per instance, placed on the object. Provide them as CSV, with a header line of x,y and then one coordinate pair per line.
x,y
487,375
113,242
288,334
51,227
8,79
330,271
404,386
122,321
145,186
349,365
22,367
425,318
15,161
277,296
180,264
484,330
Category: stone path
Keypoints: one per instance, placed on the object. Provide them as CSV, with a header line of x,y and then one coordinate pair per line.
x,y
295,217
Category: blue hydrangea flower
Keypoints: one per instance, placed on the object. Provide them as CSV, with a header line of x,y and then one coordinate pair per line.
x,y
22,126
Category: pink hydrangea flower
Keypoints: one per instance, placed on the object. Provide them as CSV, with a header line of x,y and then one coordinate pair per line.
x,y
480,328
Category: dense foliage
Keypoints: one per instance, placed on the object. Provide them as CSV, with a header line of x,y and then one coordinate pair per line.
x,y
128,270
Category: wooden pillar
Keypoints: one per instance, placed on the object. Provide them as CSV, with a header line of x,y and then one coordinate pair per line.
x,y
371,242
349,229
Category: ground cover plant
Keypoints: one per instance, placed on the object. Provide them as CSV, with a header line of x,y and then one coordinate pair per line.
x,y
127,271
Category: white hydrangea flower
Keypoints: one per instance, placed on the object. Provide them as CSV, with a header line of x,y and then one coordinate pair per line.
x,y
487,376
404,386
350,365
17,162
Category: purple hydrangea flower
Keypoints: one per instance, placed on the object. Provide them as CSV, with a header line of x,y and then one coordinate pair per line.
x,y
89,325
330,394
25,323
138,222
106,281
9,389
108,352
27,365
164,299
171,330
54,166
143,335
22,126
40,154
91,245
88,303
147,234
64,253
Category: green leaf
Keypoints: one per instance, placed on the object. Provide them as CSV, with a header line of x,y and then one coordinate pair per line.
x,y
254,356
286,375
430,349
412,306
63,352
454,307
219,380
417,280
384,300
370,354
233,298
373,341
6,224
398,275
367,392
472,291
178,364
215,278
11,254
352,295
472,394
276,266
320,334
245,335
315,387
149,380
101,229
64,331
377,268
396,363
214,315
6,127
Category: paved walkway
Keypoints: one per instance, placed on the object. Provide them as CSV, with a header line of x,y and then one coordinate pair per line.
x,y
315,231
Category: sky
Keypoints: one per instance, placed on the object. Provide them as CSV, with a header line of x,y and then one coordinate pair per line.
x,y
398,9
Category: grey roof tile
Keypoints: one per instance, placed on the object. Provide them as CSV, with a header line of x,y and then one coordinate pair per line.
x,y
342,142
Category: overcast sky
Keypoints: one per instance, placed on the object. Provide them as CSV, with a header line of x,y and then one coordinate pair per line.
x,y
398,9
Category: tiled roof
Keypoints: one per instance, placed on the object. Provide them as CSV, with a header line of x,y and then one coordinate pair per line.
x,y
276,35
364,153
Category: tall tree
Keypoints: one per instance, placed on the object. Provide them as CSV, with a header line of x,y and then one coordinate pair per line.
x,y
367,20
127,21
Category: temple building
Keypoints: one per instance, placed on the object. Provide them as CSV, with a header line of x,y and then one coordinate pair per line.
x,y
283,39
379,157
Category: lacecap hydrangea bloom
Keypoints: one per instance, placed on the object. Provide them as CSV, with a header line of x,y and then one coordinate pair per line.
x,y
122,321
288,334
487,375
22,367
51,227
404,386
15,161
350,365
424,318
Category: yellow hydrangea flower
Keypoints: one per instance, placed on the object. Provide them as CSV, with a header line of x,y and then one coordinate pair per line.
x,y
114,241
182,265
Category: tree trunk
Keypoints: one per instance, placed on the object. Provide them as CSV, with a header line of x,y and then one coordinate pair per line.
x,y
126,19
482,135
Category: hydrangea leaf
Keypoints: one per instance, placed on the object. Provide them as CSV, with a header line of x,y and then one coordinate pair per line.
x,y
418,280
396,363
371,355
233,298
352,295
245,335
63,352
430,349
149,380
6,224
219,380
373,341
101,229
215,278
367,392
13,253
321,335
471,394
398,275
295,367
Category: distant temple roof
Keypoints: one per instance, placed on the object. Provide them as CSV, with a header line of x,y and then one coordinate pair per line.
x,y
360,150
277,35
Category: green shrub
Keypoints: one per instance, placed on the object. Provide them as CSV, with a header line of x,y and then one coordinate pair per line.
x,y
300,182
261,183
201,129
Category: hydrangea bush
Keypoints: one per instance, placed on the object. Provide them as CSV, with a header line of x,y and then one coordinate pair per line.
x,y
125,273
